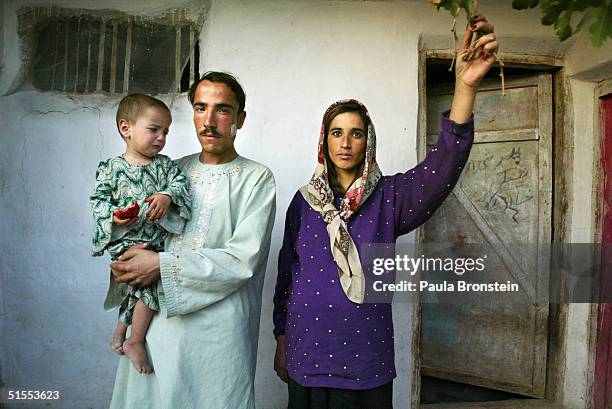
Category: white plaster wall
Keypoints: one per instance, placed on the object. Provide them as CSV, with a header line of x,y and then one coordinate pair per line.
x,y
2,7
2,263
582,108
10,66
577,330
56,332
294,58
589,63
53,332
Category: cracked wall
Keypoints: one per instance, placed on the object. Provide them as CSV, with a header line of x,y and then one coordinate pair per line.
x,y
54,333
56,330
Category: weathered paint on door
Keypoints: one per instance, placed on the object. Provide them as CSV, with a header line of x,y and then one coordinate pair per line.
x,y
603,362
503,198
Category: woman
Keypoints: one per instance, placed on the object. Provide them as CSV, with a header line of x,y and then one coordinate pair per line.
x,y
334,350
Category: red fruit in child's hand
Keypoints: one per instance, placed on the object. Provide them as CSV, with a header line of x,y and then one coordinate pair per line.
x,y
128,212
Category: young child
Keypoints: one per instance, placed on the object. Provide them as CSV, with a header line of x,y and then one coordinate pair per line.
x,y
139,197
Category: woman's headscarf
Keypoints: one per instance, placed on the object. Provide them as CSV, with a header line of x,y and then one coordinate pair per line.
x,y
319,195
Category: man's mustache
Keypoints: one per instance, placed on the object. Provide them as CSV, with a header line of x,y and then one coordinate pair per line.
x,y
209,131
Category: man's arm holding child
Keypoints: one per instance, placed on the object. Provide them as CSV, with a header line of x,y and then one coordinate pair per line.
x,y
194,279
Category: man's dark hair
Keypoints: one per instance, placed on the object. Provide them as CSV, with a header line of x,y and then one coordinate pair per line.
x,y
223,78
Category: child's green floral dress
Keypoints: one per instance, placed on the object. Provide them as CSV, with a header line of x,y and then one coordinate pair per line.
x,y
118,185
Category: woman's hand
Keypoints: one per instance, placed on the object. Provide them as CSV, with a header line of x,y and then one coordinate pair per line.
x,y
279,359
469,73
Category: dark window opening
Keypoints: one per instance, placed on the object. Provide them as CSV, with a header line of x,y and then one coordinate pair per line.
x,y
89,54
192,69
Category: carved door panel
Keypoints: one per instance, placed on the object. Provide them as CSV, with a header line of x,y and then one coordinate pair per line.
x,y
503,198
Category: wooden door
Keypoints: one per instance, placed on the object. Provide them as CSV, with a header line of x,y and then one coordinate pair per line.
x,y
603,362
503,198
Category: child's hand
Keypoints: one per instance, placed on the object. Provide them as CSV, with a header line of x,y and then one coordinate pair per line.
x,y
158,206
126,216
122,222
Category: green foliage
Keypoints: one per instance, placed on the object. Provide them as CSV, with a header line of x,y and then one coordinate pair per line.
x,y
558,13
454,6
524,4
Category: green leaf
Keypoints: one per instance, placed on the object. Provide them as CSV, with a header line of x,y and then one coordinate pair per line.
x,y
560,12
562,26
588,15
580,5
564,4
598,29
552,14
450,5
595,3
467,6
524,4
609,20
441,5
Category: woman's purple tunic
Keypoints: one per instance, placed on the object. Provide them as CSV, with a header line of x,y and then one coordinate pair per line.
x,y
331,341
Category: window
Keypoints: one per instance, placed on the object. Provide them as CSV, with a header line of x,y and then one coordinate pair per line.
x,y
83,51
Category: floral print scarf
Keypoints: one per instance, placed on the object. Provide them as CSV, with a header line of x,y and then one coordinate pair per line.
x,y
319,195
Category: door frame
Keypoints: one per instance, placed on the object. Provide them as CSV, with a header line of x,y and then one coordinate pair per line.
x,y
561,223
603,88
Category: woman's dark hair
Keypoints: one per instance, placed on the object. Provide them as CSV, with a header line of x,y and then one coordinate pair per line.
x,y
327,119
223,78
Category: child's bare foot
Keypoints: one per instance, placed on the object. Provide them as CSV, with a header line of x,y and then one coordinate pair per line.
x,y
119,337
137,353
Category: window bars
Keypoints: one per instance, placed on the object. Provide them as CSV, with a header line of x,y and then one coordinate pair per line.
x,y
81,52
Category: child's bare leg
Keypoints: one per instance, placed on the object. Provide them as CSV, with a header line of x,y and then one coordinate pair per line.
x,y
134,346
119,337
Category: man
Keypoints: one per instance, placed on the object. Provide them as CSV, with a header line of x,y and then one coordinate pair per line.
x,y
203,343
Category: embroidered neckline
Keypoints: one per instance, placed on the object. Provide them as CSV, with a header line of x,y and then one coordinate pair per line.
x,y
198,166
132,165
210,175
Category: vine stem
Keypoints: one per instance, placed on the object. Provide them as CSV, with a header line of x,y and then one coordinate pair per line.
x,y
454,36
501,73
468,56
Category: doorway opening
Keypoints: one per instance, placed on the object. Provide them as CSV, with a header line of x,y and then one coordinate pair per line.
x,y
472,354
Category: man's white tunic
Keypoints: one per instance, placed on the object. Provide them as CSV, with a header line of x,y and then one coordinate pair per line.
x,y
203,343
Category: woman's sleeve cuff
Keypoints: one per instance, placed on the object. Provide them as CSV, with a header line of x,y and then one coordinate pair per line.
x,y
451,126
